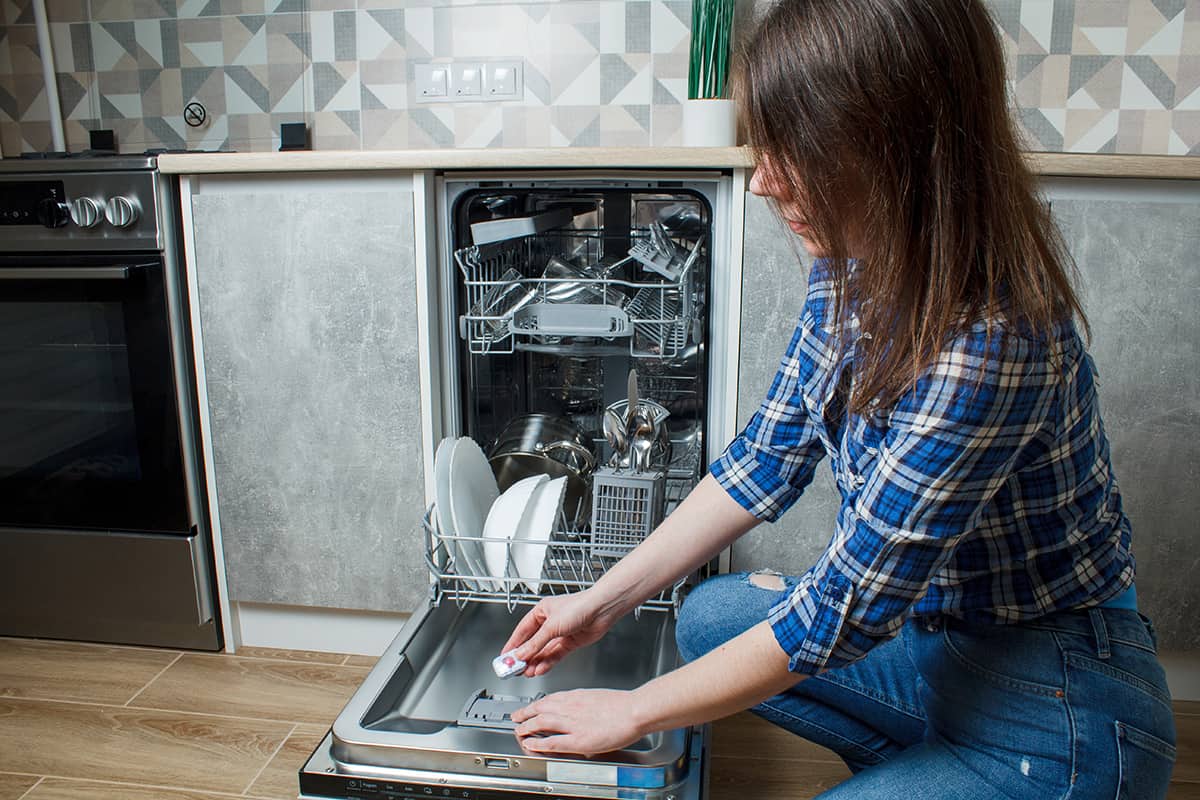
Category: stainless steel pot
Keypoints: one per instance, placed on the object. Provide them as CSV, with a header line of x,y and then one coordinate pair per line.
x,y
543,444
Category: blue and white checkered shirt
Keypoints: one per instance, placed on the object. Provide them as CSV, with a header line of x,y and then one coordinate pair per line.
x,y
986,492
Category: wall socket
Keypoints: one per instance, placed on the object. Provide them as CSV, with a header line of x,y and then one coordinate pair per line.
x,y
468,81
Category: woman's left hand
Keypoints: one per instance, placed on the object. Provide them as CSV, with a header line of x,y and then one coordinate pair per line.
x,y
580,722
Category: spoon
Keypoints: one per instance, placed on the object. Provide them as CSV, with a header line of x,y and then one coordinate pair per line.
x,y
641,440
614,432
642,449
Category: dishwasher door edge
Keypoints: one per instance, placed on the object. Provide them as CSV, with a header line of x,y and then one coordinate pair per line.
x,y
324,774
346,726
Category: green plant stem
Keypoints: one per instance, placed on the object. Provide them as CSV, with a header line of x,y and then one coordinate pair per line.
x,y
708,66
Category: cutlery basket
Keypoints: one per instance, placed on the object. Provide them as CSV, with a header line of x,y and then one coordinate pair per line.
x,y
626,507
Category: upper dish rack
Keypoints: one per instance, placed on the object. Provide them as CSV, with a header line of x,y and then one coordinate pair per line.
x,y
531,293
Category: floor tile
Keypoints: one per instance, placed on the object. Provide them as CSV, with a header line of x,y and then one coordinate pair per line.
x,y
771,779
1187,739
745,734
361,661
1184,791
135,745
68,789
247,687
93,673
13,786
306,656
279,779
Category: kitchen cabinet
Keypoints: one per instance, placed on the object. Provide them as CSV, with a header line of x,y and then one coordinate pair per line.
x,y
774,276
1135,243
307,303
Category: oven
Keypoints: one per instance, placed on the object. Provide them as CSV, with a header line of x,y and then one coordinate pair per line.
x,y
104,532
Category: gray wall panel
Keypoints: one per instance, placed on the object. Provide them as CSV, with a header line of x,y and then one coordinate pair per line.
x,y
1136,245
774,275
309,323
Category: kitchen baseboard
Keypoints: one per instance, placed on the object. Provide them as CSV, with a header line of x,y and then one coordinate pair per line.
x,y
325,630
1183,674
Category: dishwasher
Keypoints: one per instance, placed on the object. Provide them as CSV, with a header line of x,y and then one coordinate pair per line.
x,y
557,294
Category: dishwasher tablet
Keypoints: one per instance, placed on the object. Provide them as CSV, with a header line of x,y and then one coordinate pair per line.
x,y
507,664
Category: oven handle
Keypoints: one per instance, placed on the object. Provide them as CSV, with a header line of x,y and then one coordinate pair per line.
x,y
66,273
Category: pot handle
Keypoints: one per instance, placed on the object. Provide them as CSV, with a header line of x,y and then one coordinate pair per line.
x,y
589,460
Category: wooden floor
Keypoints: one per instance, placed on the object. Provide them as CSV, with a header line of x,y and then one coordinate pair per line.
x,y
97,722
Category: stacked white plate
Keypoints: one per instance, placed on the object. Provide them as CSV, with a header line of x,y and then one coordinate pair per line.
x,y
464,490
500,540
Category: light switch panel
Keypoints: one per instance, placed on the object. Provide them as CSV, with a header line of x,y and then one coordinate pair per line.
x,y
466,80
502,80
432,80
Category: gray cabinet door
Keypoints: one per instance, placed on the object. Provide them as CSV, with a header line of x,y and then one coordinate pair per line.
x,y
774,276
1136,247
307,302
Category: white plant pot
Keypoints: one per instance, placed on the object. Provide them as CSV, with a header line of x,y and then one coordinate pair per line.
x,y
709,123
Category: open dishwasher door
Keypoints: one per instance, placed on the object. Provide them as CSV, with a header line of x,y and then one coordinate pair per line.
x,y
431,718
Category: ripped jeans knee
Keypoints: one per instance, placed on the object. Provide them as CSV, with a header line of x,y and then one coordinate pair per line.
x,y
725,606
767,579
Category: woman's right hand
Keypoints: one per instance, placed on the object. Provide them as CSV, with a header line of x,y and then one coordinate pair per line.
x,y
556,626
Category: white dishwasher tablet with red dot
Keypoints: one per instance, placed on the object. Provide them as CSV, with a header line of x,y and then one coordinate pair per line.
x,y
507,664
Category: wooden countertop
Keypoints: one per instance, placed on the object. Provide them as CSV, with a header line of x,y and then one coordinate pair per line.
x,y
459,159
1078,165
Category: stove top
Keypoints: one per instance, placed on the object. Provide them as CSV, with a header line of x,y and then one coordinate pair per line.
x,y
38,155
90,201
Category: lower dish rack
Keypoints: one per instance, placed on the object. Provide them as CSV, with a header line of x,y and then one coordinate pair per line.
x,y
573,562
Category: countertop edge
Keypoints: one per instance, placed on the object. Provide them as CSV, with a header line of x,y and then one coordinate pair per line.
x,y
1078,165
492,158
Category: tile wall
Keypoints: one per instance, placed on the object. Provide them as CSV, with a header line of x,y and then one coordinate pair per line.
x,y
1088,75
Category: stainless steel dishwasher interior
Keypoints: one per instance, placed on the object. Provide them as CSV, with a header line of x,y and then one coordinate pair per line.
x,y
443,671
406,713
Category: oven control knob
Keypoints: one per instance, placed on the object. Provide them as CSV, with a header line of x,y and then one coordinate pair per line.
x,y
86,212
52,213
121,212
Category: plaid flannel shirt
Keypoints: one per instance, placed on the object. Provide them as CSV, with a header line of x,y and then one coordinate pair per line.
x,y
986,493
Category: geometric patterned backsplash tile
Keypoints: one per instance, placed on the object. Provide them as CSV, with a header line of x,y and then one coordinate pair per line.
x,y
1101,76
1086,75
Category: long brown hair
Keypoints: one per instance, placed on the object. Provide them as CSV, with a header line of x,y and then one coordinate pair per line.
x,y
890,119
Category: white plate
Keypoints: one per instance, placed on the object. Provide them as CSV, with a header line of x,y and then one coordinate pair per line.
x,y
472,492
537,525
503,522
441,503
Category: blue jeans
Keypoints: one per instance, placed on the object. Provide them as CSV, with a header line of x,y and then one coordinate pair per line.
x,y
1072,705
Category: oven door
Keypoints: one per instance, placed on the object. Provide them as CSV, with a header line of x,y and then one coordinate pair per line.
x,y
89,419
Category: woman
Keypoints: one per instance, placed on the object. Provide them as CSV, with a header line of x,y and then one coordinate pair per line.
x,y
971,628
